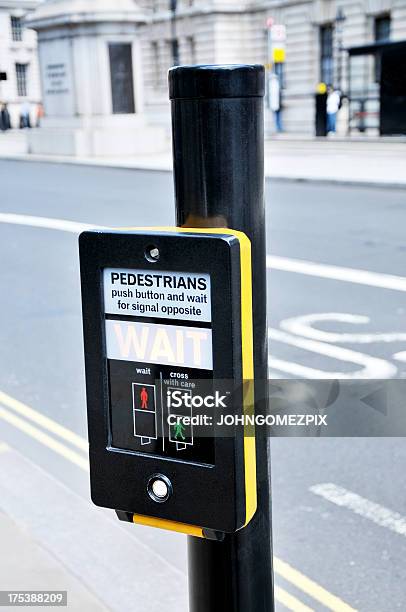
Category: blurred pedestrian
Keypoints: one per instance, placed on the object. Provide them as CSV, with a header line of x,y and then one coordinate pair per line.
x,y
25,121
275,100
39,114
333,105
5,123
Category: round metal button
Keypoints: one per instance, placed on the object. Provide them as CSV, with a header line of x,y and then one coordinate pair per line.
x,y
159,488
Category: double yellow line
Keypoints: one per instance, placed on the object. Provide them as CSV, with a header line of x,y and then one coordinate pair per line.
x,y
29,421
28,414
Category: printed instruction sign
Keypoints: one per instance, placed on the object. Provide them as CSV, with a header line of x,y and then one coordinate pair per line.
x,y
158,339
164,295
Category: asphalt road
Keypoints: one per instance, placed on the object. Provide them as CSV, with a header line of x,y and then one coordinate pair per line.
x,y
346,537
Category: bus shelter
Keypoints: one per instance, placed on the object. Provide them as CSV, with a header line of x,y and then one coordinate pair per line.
x,y
377,88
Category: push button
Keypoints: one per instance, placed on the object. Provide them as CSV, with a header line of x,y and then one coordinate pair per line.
x,y
159,488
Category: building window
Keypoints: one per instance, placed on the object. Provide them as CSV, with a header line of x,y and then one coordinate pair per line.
x,y
16,28
191,50
326,54
122,78
382,28
156,73
21,74
382,25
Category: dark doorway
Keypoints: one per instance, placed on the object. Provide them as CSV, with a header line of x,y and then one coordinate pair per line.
x,y
393,90
122,83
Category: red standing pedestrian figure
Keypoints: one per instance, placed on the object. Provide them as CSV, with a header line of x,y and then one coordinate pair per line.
x,y
144,398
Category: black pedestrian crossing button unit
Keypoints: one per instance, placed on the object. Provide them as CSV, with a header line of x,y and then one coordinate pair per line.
x,y
167,317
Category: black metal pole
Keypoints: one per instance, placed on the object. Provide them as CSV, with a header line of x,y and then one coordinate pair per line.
x,y
218,149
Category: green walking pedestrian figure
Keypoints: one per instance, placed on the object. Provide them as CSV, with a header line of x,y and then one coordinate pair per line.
x,y
179,429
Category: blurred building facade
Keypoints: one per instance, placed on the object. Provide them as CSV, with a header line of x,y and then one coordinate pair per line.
x,y
234,31
18,58
91,70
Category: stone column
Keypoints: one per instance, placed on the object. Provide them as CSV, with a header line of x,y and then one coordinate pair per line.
x,y
92,81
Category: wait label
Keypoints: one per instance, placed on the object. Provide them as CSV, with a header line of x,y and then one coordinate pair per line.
x,y
176,345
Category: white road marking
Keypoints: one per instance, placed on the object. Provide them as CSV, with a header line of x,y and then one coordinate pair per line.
x,y
294,369
286,264
373,367
303,326
46,223
384,517
401,356
349,275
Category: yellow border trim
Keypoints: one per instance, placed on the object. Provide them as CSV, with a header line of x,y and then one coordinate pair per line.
x,y
149,521
250,463
247,349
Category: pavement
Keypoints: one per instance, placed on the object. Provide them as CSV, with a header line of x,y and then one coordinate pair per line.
x,y
27,561
362,161
61,542
336,300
